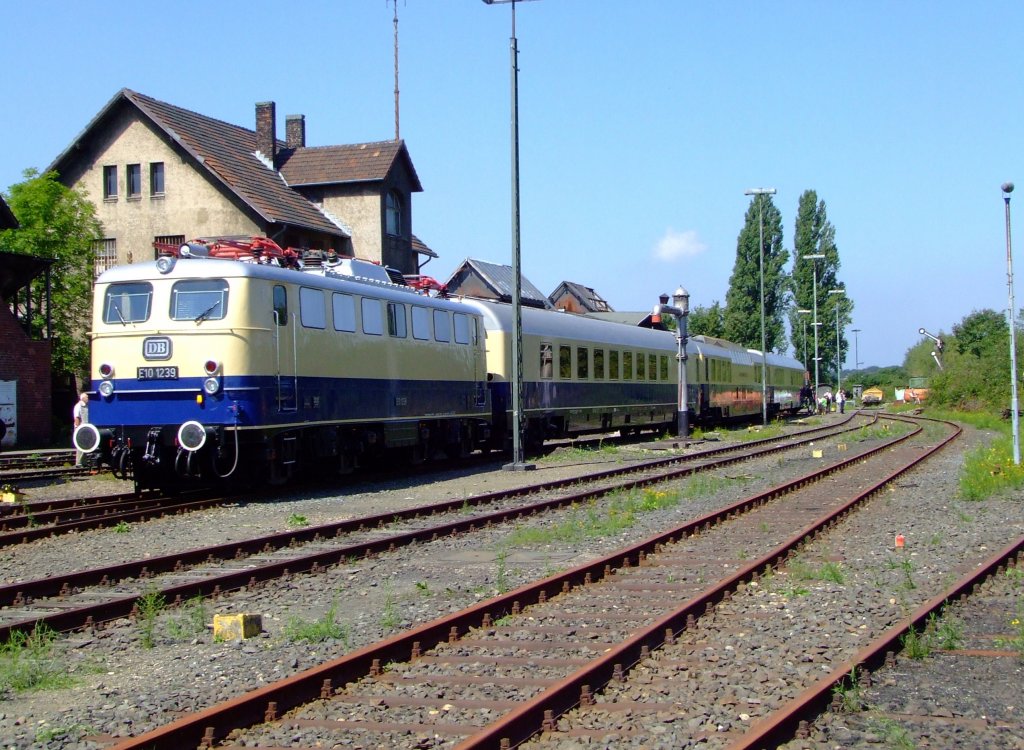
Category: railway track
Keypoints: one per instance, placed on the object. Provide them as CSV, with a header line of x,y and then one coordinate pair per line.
x,y
556,654
89,597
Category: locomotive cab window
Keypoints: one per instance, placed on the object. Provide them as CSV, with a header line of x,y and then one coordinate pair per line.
x,y
421,323
127,303
311,308
199,300
280,306
547,365
397,325
461,328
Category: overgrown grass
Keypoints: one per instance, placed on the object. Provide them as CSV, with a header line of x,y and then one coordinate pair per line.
x,y
296,520
850,692
150,605
190,621
579,452
828,571
326,628
591,522
28,662
989,470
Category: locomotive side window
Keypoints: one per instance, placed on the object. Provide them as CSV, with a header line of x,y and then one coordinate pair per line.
x,y
547,365
344,312
280,306
461,328
199,300
442,326
397,325
583,363
613,364
565,362
598,364
627,365
421,323
312,312
663,367
127,303
641,370
373,318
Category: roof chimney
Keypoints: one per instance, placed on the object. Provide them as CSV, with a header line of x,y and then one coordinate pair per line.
x,y
266,129
295,131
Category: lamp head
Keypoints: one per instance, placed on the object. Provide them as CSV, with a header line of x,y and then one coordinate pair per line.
x,y
663,299
681,297
1007,187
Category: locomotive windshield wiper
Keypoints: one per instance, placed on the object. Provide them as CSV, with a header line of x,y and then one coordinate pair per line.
x,y
119,315
203,315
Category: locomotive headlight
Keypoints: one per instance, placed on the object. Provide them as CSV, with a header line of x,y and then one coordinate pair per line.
x,y
106,388
106,370
191,436
165,263
211,385
211,366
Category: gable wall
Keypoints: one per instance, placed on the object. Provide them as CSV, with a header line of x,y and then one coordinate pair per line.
x,y
191,205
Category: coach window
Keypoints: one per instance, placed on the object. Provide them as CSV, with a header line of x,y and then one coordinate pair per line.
x,y
396,320
442,326
199,300
344,312
565,362
373,318
641,370
312,312
583,363
421,323
599,364
547,365
127,303
627,365
461,328
280,306
663,367
652,366
613,364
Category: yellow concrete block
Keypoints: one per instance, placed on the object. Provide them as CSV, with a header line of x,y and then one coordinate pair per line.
x,y
816,453
236,627
12,497
842,447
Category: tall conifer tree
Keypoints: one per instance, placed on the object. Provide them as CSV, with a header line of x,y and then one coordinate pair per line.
x,y
743,300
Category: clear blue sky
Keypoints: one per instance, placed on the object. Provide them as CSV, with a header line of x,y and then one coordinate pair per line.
x,y
641,124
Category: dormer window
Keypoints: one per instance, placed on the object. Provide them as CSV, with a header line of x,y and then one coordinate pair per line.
x,y
393,213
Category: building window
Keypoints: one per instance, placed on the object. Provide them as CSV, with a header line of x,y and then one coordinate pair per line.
x,y
167,243
156,178
134,179
106,255
110,183
393,213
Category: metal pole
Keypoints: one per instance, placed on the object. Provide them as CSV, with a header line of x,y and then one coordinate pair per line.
x,y
839,353
856,348
759,194
1014,415
816,329
804,321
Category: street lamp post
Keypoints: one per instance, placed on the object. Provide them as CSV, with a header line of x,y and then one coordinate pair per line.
x,y
856,349
803,320
517,464
815,257
760,255
839,341
1014,416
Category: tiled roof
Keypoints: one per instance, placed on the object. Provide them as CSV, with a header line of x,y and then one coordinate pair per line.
x,y
499,280
419,246
227,151
590,299
328,165
7,218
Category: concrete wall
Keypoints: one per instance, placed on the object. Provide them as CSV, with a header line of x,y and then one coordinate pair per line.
x,y
27,363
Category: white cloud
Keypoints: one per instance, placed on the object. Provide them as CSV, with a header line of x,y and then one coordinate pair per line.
x,y
675,245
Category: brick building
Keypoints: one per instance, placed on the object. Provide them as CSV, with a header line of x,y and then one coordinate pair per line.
x,y
158,172
25,381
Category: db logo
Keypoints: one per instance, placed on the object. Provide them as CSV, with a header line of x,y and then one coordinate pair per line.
x,y
156,347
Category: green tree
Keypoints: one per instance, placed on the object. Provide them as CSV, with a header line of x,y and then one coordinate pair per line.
x,y
815,235
742,322
976,364
58,223
707,321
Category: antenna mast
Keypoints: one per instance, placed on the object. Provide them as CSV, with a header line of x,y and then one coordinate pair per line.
x,y
396,70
